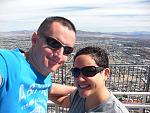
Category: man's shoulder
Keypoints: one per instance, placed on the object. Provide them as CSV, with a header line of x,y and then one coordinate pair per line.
x,y
10,58
6,54
4,51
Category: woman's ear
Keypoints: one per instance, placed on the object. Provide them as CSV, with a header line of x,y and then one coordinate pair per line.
x,y
34,38
107,73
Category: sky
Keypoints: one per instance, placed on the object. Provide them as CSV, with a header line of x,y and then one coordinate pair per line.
x,y
87,15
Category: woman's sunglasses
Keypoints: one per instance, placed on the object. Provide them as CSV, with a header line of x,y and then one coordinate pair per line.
x,y
88,71
55,44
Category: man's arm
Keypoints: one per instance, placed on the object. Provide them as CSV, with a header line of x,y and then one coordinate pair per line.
x,y
60,94
2,69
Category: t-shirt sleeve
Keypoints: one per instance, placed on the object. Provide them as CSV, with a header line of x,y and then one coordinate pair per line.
x,y
49,82
3,70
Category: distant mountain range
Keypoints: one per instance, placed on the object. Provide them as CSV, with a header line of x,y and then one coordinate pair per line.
x,y
141,34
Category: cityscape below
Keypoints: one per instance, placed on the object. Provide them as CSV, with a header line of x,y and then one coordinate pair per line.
x,y
129,57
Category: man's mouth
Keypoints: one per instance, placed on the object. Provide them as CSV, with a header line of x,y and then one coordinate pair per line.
x,y
50,59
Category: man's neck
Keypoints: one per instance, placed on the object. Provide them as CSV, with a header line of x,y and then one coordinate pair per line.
x,y
32,61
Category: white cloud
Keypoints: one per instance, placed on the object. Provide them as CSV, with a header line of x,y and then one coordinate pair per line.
x,y
86,14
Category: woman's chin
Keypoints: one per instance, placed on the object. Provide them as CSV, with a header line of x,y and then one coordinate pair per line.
x,y
83,93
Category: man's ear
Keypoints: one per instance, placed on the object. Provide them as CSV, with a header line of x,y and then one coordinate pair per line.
x,y
107,73
34,38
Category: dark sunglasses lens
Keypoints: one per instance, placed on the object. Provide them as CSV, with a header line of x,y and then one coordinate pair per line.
x,y
75,72
53,43
89,71
68,50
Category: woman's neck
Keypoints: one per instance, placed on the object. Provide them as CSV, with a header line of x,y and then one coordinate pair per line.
x,y
96,99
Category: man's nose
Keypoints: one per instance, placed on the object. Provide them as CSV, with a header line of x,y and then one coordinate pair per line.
x,y
59,52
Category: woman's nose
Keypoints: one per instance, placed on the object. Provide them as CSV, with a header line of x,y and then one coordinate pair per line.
x,y
80,78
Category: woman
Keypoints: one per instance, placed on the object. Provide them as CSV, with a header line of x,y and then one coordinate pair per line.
x,y
91,70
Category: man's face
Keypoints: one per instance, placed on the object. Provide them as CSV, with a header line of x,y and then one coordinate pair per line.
x,y
47,58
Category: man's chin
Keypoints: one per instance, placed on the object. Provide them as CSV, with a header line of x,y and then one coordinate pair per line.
x,y
54,68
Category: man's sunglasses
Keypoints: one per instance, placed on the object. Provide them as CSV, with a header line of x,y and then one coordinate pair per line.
x,y
55,44
88,71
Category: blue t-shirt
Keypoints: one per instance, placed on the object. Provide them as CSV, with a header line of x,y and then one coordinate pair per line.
x,y
23,89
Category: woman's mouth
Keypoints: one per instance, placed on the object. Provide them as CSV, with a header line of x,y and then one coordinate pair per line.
x,y
84,86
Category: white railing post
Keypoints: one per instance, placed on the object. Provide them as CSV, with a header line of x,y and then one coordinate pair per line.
x,y
56,108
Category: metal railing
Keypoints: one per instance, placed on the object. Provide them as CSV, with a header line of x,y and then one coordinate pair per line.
x,y
130,84
135,101
123,78
131,104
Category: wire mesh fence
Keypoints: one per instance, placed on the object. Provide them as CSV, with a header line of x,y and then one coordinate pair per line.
x,y
123,78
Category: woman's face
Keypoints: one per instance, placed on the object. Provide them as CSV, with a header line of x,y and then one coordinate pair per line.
x,y
88,86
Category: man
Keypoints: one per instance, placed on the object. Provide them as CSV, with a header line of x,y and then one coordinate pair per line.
x,y
25,78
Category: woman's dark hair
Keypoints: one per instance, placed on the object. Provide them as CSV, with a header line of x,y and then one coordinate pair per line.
x,y
98,54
